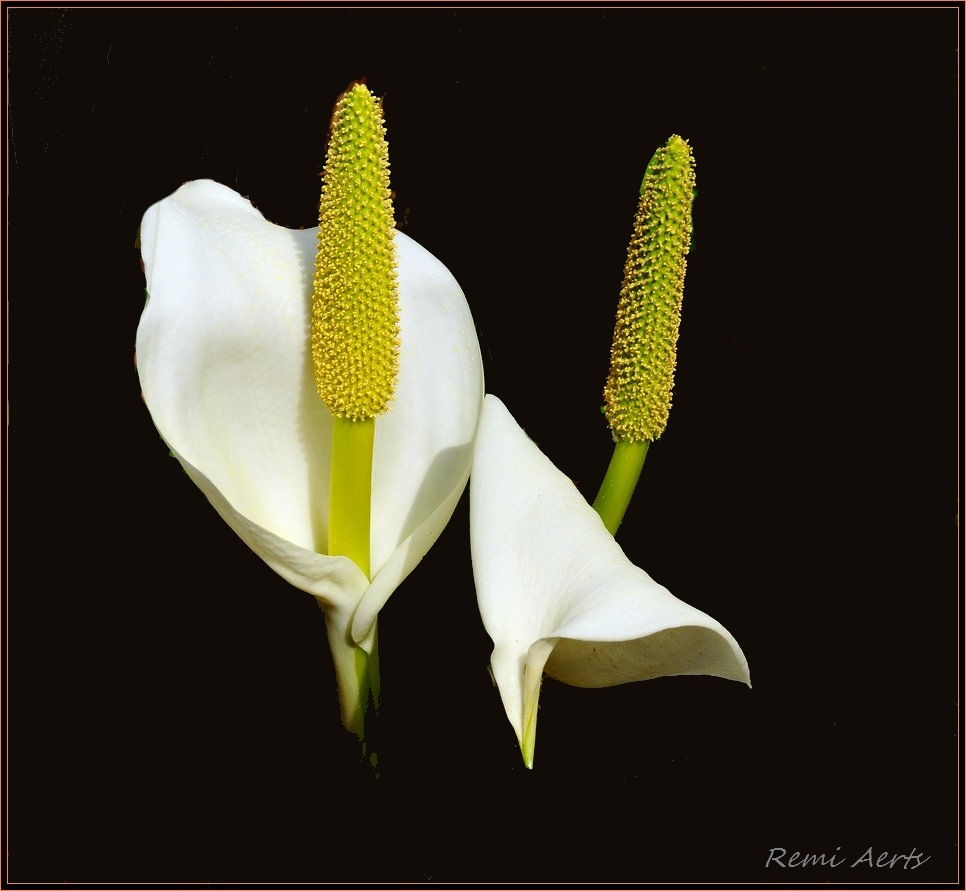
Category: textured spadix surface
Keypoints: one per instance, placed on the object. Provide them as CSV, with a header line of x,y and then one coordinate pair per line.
x,y
355,314
558,595
637,394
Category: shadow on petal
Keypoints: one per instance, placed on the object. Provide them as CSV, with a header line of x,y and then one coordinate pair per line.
x,y
673,651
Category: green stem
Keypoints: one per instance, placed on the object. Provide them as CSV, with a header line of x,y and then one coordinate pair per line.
x,y
619,482
350,490
350,506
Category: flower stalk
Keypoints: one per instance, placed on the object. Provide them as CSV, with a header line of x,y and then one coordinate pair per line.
x,y
350,509
355,346
350,490
620,481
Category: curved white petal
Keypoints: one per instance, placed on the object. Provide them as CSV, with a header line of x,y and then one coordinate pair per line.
x,y
225,367
556,592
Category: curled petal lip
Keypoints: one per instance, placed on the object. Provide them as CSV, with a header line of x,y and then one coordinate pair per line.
x,y
558,595
225,368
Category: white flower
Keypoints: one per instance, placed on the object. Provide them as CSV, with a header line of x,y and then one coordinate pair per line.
x,y
224,360
558,595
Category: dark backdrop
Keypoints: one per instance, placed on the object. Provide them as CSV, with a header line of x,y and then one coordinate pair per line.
x,y
171,706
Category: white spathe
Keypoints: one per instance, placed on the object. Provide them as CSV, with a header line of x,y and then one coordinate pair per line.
x,y
558,595
226,371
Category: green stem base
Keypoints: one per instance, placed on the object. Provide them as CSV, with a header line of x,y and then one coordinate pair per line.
x,y
356,674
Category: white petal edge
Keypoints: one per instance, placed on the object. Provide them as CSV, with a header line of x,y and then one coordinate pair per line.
x,y
223,357
557,593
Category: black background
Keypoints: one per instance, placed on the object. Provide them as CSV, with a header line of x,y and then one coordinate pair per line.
x,y
171,705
